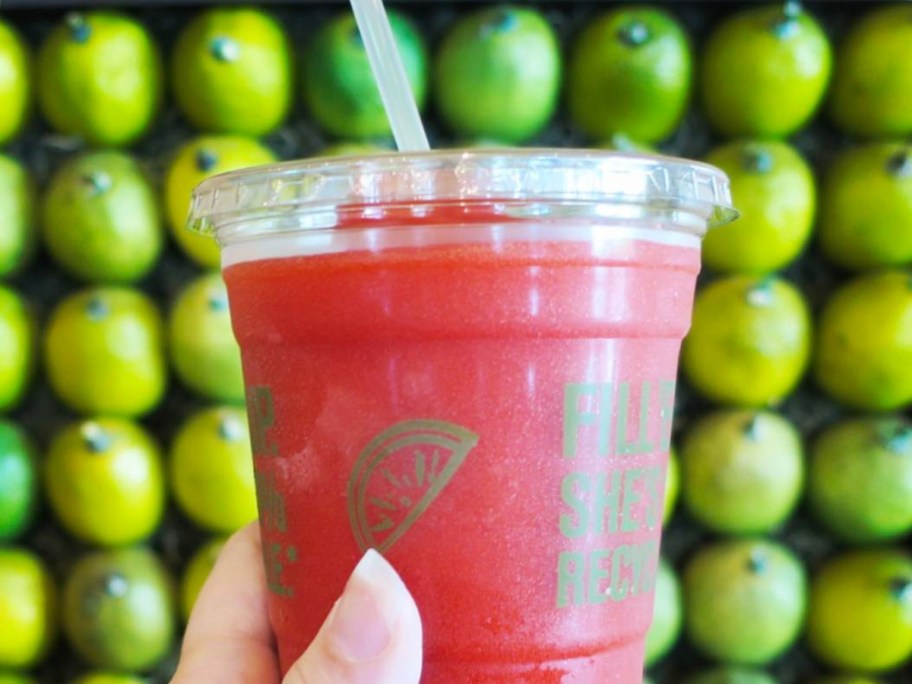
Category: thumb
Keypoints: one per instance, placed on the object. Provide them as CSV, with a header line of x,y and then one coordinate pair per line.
x,y
372,634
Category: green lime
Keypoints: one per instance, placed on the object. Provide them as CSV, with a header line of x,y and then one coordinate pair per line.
x,y
743,471
773,187
101,219
339,86
105,482
744,600
482,144
118,609
870,95
764,71
211,470
15,82
100,78
104,352
203,350
866,207
15,678
845,679
28,606
231,71
630,72
498,73
667,614
860,479
108,678
864,342
197,160
672,485
727,674
18,481
750,341
860,610
17,352
197,572
17,216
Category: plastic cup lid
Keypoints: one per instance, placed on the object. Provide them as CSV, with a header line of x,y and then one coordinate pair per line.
x,y
314,193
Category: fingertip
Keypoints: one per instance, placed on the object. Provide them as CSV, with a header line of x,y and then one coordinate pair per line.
x,y
364,621
373,634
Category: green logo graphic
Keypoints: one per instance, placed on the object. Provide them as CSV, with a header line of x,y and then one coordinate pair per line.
x,y
399,474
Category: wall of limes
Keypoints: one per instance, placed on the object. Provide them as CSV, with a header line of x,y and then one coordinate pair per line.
x,y
123,444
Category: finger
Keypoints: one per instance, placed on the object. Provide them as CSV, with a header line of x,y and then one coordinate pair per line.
x,y
372,635
228,638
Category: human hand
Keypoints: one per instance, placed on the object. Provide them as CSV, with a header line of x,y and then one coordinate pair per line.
x,y
372,635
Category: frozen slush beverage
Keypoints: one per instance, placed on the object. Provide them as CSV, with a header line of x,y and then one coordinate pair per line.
x,y
467,361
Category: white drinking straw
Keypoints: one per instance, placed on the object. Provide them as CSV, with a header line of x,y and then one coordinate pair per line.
x,y
386,63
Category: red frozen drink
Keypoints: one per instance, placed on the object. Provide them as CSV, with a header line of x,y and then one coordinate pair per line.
x,y
467,361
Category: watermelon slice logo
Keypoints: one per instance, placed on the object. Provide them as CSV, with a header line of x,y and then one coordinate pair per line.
x,y
399,474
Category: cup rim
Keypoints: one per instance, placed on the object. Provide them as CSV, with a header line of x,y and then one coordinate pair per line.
x,y
323,185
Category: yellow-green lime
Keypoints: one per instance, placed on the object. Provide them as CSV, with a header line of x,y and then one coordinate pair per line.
x,y
108,678
17,348
871,94
860,611
339,86
773,187
231,71
742,470
104,480
17,216
15,82
863,356
104,352
672,485
352,149
727,674
667,616
211,470
197,572
195,161
866,206
744,600
750,341
18,481
203,350
845,679
764,71
118,609
629,72
497,74
860,479
28,606
100,77
101,219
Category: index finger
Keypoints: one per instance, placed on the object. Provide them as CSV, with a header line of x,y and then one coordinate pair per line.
x,y
228,638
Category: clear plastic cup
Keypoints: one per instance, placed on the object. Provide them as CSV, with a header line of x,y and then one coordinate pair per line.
x,y
467,361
